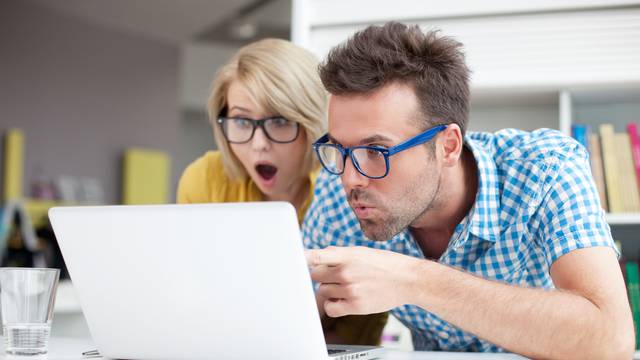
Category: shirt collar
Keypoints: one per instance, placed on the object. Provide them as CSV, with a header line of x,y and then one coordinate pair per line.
x,y
485,213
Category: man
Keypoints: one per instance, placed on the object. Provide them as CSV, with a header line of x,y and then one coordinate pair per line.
x,y
483,242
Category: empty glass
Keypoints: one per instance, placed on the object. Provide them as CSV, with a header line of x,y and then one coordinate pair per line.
x,y
27,296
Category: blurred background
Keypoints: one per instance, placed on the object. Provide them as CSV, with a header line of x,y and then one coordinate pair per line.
x,y
86,80
103,101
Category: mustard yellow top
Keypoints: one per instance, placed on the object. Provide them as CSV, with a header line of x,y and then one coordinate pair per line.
x,y
204,181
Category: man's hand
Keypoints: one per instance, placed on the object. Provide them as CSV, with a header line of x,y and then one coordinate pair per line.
x,y
361,280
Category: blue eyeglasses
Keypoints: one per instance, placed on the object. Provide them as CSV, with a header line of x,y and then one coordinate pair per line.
x,y
370,161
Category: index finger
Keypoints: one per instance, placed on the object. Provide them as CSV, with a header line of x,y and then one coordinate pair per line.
x,y
331,256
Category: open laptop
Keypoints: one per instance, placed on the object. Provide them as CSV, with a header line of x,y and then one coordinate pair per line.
x,y
215,281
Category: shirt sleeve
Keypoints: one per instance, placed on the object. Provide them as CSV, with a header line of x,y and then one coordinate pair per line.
x,y
571,216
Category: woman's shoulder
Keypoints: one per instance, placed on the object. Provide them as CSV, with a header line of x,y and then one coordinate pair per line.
x,y
200,177
206,167
209,160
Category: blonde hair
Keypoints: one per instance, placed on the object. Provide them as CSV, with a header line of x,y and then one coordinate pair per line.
x,y
281,78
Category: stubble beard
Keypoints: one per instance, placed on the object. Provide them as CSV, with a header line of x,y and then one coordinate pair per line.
x,y
399,213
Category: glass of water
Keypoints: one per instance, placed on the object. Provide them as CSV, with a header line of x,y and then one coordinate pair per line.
x,y
27,296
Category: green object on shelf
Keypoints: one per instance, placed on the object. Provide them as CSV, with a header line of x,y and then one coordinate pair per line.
x,y
633,286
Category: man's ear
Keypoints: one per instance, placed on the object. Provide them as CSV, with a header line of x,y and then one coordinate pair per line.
x,y
452,144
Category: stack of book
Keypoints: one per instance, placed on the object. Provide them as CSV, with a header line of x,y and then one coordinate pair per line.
x,y
615,164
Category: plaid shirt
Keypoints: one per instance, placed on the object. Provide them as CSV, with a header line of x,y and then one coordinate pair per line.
x,y
536,201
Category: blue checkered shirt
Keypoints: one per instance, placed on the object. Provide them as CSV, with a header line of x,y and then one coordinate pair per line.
x,y
536,201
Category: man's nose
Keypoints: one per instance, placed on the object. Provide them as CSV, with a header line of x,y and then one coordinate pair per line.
x,y
352,178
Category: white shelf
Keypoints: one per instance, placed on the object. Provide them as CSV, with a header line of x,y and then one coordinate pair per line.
x,y
623,219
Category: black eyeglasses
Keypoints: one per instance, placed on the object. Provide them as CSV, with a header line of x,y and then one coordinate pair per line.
x,y
240,130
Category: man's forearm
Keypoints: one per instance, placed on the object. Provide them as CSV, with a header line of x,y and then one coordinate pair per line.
x,y
534,322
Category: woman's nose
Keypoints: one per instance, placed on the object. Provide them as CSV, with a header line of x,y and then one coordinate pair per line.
x,y
260,141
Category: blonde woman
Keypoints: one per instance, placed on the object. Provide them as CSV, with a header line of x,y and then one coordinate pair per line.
x,y
267,107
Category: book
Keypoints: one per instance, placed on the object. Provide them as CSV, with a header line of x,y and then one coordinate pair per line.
x,y
632,129
608,145
581,133
633,288
627,174
597,169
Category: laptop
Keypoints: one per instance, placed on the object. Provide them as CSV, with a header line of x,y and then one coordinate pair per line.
x,y
224,281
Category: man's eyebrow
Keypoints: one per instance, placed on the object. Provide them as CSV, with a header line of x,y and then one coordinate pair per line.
x,y
332,139
374,139
368,140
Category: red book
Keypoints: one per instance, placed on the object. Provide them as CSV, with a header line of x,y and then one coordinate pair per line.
x,y
632,129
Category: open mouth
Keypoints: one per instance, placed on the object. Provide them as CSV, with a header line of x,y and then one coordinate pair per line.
x,y
266,171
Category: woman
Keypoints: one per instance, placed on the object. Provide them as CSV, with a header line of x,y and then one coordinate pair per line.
x,y
267,106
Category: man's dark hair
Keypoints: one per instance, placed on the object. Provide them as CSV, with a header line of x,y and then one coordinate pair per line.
x,y
433,65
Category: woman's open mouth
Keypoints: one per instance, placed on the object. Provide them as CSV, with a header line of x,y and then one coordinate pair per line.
x,y
266,171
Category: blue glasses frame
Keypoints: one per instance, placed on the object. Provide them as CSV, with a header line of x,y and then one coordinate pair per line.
x,y
386,152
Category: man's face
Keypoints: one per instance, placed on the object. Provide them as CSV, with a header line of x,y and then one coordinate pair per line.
x,y
386,117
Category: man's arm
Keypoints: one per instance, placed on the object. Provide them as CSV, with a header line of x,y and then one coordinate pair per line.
x,y
587,316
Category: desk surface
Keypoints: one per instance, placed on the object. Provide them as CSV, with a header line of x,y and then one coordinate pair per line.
x,y
71,349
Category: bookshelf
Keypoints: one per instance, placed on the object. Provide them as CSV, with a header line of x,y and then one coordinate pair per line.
x,y
614,104
623,219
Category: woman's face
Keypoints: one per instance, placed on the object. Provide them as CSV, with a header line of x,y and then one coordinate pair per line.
x,y
274,167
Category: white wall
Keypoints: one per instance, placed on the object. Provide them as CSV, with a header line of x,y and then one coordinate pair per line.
x,y
325,12
548,49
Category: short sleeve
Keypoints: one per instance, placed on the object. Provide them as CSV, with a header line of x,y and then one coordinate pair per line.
x,y
571,215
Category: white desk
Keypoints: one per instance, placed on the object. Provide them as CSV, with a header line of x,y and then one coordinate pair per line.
x,y
71,349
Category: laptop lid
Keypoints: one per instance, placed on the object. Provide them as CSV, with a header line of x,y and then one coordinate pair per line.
x,y
200,281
